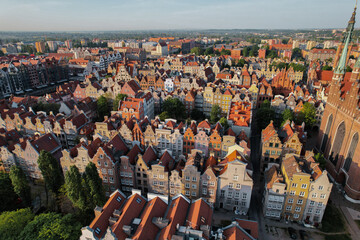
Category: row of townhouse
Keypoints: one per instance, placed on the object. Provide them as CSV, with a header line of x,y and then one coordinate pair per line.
x,y
157,217
160,165
276,143
65,128
26,75
297,190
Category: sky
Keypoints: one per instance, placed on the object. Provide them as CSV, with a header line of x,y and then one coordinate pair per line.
x,y
116,15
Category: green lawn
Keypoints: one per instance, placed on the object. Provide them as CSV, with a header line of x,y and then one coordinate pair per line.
x,y
338,237
333,220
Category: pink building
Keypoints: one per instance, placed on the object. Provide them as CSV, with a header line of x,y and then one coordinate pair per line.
x,y
202,142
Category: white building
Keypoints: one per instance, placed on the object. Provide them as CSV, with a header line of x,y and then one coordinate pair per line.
x,y
169,85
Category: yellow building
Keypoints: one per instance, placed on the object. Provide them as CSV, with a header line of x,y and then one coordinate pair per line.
x,y
40,47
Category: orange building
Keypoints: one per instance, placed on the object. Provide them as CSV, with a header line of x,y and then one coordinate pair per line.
x,y
215,144
132,107
240,113
189,141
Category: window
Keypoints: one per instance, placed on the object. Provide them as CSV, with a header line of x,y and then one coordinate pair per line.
x,y
230,185
296,215
294,185
187,193
236,177
193,186
187,178
321,187
106,164
110,171
244,195
304,186
99,163
312,203
314,195
211,192
204,191
103,171
205,183
291,200
97,230
276,145
237,194
292,193
322,196
297,209
302,194
270,144
318,211
238,185
212,183
193,194
229,195
222,193
288,208
300,201
111,179
310,210
101,156
187,185
320,204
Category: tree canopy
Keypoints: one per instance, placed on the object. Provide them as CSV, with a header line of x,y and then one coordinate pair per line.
x,y
12,223
20,184
224,123
174,108
225,52
287,114
8,197
264,115
118,98
102,108
51,171
197,51
93,186
47,107
307,115
51,226
197,115
209,51
215,113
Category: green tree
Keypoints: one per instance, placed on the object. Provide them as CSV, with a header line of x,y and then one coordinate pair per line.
x,y
102,108
285,41
93,184
51,172
307,115
217,52
215,113
75,191
52,226
225,52
118,98
287,114
224,123
296,54
348,69
47,107
209,51
20,183
197,115
319,158
264,115
12,223
164,115
175,108
1,53
327,68
8,197
197,51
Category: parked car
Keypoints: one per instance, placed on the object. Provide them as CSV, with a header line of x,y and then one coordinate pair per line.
x,y
292,233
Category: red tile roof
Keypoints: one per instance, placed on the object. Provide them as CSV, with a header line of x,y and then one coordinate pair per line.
x,y
147,230
101,222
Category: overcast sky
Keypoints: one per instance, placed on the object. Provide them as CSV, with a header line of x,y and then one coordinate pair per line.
x,y
88,15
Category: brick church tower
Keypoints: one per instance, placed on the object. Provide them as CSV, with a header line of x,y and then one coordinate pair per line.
x,y
340,125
